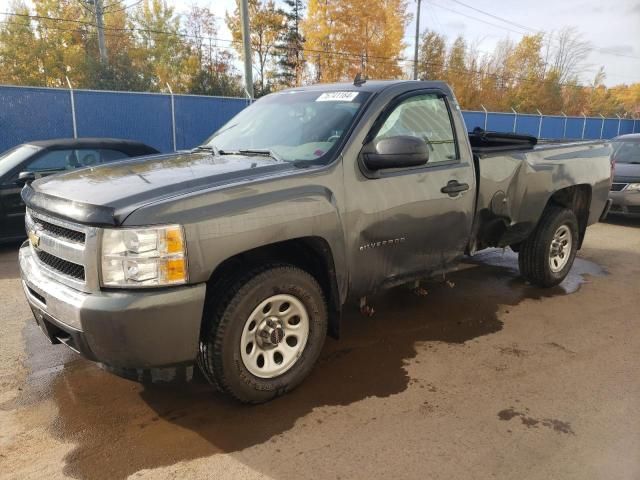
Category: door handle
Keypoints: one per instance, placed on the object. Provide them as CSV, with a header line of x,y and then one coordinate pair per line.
x,y
453,188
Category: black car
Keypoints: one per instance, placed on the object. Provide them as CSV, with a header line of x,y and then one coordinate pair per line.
x,y
37,159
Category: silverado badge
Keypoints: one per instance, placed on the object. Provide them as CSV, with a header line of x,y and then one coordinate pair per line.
x,y
34,238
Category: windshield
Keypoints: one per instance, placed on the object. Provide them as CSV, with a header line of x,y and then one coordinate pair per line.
x,y
14,157
626,152
292,125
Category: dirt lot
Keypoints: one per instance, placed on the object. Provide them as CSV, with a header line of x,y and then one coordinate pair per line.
x,y
488,378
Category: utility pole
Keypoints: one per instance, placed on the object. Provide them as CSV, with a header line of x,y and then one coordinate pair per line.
x,y
99,11
246,47
415,53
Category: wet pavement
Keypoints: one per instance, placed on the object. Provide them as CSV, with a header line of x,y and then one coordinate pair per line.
x,y
484,377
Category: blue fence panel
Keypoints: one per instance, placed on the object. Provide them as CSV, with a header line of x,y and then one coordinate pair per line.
x,y
500,122
610,129
198,117
592,129
135,116
33,114
528,124
552,127
473,120
574,127
626,126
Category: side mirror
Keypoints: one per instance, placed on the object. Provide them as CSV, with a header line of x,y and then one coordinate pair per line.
x,y
396,152
25,178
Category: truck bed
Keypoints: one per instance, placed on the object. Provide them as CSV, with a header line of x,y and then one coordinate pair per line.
x,y
516,177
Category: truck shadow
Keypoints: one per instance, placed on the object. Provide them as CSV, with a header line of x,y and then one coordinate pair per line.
x,y
120,427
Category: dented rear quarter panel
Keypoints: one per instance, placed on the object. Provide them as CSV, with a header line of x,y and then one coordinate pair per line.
x,y
517,186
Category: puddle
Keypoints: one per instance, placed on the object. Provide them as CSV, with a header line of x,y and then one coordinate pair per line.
x,y
530,422
120,427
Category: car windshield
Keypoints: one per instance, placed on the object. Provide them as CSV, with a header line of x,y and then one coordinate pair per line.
x,y
291,125
626,151
14,157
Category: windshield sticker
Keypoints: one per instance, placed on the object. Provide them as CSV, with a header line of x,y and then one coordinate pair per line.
x,y
337,97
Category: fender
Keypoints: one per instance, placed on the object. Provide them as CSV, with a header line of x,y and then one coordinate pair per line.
x,y
223,223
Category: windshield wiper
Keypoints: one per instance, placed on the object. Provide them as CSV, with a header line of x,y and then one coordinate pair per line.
x,y
260,151
206,148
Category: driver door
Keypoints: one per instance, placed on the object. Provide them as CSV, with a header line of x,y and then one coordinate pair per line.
x,y
407,222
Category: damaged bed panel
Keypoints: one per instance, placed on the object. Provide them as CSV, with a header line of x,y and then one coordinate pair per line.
x,y
515,187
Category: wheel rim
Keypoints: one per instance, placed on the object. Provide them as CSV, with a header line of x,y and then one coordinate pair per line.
x,y
274,336
560,250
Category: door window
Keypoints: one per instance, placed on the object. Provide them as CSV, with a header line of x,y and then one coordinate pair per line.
x,y
70,159
89,158
427,117
53,160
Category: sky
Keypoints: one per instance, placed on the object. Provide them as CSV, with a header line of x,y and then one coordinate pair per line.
x,y
612,27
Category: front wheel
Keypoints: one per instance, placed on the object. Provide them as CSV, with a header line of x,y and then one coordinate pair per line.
x,y
546,257
265,335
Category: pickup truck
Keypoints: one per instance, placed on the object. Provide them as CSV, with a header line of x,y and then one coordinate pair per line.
x,y
241,254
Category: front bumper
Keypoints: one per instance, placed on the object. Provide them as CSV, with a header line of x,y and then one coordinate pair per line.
x,y
625,203
128,329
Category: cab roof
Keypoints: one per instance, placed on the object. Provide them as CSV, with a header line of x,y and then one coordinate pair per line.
x,y
374,86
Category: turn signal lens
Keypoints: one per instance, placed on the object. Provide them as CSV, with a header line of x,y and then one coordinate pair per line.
x,y
174,270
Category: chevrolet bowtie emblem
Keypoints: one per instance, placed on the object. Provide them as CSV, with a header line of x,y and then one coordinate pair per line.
x,y
34,238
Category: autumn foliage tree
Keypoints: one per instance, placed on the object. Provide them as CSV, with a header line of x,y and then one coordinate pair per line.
x,y
540,72
345,37
266,24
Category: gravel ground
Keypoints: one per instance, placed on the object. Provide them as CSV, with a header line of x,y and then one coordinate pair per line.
x,y
485,377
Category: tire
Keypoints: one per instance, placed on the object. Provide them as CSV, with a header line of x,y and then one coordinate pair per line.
x,y
226,357
558,230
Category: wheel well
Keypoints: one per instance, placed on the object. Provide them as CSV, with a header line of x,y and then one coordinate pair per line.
x,y
578,199
311,254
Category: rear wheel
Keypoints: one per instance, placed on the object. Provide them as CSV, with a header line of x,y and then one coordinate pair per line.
x,y
265,335
546,257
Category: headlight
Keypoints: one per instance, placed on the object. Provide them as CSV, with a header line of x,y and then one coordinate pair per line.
x,y
632,187
144,257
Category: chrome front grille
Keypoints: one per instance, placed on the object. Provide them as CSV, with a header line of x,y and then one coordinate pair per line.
x,y
616,187
62,232
65,251
62,266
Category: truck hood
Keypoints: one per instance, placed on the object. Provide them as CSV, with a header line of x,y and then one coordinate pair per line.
x,y
627,172
104,195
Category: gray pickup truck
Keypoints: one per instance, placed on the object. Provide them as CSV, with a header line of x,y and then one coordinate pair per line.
x,y
240,254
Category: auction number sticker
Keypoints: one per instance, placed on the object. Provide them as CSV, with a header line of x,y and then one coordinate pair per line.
x,y
337,97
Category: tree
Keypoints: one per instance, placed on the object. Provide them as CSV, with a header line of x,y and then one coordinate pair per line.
x,y
121,71
18,49
567,52
355,36
292,60
524,70
266,26
215,74
432,59
161,55
61,46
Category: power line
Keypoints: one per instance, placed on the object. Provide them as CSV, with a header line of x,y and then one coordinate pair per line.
x,y
475,18
123,8
604,50
496,17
